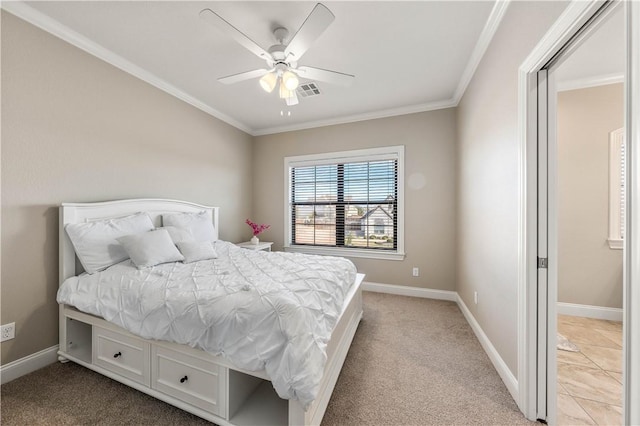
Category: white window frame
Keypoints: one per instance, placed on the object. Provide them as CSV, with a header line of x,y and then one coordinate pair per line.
x,y
371,154
616,189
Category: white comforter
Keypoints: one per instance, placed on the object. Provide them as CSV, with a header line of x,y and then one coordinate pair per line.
x,y
261,311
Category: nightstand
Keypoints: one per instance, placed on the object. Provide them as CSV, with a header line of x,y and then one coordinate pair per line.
x,y
266,246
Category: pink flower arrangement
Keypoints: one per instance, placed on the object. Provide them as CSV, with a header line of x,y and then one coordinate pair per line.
x,y
257,229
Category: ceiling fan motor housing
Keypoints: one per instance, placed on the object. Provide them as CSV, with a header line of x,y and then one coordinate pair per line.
x,y
277,52
281,67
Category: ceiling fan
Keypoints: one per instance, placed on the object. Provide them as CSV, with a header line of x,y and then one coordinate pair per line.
x,y
282,58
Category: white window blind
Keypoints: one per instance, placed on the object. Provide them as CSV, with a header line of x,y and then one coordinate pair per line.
x,y
616,188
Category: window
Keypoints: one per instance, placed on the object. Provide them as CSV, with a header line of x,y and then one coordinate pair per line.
x,y
616,188
346,203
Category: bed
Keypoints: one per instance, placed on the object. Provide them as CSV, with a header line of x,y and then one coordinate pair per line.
x,y
218,388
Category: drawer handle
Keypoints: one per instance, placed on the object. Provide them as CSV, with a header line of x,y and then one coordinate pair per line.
x,y
184,379
117,355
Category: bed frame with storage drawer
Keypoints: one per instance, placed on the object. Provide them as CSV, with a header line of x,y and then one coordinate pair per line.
x,y
193,380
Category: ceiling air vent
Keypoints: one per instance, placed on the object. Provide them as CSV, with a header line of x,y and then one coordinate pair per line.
x,y
307,90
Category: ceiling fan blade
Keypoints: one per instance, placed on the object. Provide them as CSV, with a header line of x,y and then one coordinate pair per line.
x,y
236,78
332,77
315,24
217,21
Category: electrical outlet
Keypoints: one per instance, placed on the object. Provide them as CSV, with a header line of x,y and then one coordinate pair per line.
x,y
475,297
416,272
7,332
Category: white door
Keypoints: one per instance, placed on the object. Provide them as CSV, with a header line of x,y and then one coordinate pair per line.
x,y
547,219
547,246
542,245
540,292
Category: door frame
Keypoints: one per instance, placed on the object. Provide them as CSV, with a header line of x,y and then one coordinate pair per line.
x,y
543,200
570,23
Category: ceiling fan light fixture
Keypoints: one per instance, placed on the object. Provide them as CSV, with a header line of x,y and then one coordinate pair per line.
x,y
268,82
284,92
290,80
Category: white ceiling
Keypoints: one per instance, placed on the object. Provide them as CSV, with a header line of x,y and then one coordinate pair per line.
x,y
600,58
406,56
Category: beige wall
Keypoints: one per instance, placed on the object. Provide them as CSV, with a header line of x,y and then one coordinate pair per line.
x,y
589,272
75,128
429,140
487,226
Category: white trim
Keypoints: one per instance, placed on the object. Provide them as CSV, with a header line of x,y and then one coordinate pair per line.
x,y
401,290
631,287
28,364
374,115
489,30
594,81
527,251
589,311
615,244
367,154
568,24
501,367
346,252
46,23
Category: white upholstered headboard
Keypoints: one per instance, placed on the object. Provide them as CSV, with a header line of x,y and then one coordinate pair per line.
x,y
86,212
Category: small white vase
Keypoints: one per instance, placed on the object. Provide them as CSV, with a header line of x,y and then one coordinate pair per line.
x,y
254,240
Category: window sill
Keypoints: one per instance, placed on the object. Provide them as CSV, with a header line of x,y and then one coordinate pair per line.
x,y
615,244
336,251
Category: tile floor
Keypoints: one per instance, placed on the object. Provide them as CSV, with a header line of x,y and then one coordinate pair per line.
x,y
590,381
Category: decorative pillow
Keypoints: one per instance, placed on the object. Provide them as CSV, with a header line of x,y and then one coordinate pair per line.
x,y
178,234
199,224
95,242
151,248
194,251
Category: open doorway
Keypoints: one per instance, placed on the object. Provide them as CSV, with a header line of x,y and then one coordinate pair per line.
x,y
590,213
539,211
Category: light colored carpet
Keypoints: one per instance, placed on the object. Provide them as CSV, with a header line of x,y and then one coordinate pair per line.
x,y
413,362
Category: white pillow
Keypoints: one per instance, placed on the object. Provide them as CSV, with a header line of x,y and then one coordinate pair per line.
x,y
151,248
178,234
199,224
95,242
194,251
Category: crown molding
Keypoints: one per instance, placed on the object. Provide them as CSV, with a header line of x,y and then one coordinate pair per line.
x,y
594,81
412,109
489,30
44,22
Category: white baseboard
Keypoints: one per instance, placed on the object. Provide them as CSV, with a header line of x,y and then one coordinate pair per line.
x,y
402,290
28,364
589,311
498,363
